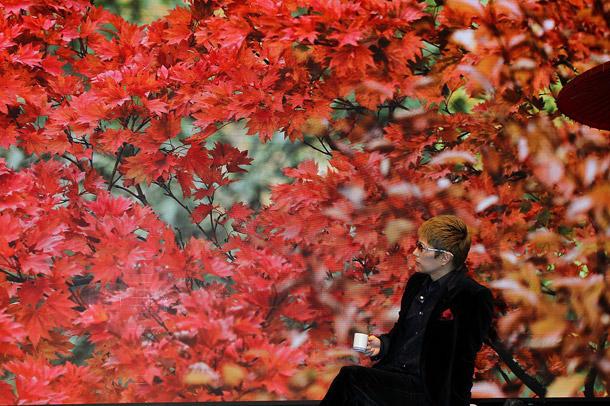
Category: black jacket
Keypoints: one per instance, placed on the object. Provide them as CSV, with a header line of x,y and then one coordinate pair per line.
x,y
452,337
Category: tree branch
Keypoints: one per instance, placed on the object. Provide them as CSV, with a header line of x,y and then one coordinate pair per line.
x,y
13,277
74,161
169,193
589,391
506,356
141,195
600,8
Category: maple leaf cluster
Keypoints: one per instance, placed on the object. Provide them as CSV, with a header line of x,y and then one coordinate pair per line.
x,y
422,108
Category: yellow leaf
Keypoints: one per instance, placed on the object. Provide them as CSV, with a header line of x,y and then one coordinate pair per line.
x,y
566,386
514,292
487,390
233,374
547,332
527,277
197,378
315,392
546,240
302,379
396,229
453,158
509,7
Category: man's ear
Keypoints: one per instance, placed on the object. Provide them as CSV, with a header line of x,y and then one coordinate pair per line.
x,y
447,257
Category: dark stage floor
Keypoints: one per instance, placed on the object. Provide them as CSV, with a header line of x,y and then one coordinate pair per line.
x,y
477,402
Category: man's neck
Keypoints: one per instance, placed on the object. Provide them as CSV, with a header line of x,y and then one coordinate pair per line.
x,y
441,272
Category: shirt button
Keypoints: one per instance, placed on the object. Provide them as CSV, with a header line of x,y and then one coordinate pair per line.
x,y
417,332
421,313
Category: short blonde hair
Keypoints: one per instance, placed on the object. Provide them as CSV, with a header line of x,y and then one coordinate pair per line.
x,y
448,233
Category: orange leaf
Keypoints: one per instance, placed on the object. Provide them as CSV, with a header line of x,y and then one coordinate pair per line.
x,y
468,7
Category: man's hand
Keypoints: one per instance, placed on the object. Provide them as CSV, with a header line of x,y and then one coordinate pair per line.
x,y
373,346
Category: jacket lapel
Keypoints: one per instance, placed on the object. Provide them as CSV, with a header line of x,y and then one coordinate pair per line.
x,y
451,290
412,288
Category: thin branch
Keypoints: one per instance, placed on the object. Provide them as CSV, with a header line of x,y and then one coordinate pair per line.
x,y
600,8
274,307
74,161
504,375
77,298
169,193
317,149
142,124
149,312
321,140
349,108
547,291
213,224
179,238
83,48
127,190
116,166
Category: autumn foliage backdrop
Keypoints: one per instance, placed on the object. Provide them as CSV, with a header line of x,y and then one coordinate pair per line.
x,y
419,108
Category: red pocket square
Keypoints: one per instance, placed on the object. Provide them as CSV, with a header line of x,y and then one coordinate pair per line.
x,y
447,315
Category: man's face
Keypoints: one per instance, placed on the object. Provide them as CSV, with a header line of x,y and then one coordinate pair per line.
x,y
425,260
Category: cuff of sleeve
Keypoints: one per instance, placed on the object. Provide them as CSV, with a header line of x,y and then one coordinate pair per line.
x,y
378,356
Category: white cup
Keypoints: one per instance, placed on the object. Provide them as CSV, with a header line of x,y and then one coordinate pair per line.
x,y
360,342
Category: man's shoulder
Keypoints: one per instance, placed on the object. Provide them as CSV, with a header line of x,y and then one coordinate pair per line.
x,y
465,282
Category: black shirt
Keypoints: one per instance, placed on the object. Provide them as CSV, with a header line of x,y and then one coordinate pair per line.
x,y
406,355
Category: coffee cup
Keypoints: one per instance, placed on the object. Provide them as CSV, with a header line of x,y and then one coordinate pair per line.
x,y
360,342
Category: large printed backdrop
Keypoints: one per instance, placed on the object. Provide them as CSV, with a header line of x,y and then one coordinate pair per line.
x,y
417,108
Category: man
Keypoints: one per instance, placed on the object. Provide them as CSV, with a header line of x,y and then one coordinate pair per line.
x,y
428,357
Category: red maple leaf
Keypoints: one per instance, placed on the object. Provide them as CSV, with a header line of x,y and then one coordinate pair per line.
x,y
160,130
307,169
240,212
6,392
225,154
180,25
36,322
27,55
34,380
144,168
201,212
11,334
108,205
158,107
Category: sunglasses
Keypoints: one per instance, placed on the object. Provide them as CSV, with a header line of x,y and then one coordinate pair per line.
x,y
421,247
